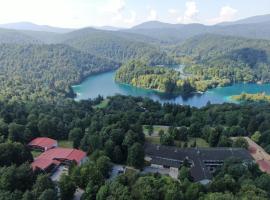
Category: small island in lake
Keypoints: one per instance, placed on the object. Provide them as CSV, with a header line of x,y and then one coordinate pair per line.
x,y
259,97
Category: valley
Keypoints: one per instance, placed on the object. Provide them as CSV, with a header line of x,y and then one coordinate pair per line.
x,y
156,111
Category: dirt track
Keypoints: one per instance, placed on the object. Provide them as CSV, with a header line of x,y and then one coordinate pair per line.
x,y
261,157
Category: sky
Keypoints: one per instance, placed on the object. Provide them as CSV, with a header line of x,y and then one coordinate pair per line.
x,y
127,13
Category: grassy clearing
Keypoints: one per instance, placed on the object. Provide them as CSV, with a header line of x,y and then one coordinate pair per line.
x,y
156,128
103,104
131,171
155,139
199,141
65,144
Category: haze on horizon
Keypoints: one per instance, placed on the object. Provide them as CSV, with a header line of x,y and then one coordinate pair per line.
x,y
127,13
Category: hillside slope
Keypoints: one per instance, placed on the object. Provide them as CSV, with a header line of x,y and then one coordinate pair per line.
x,y
44,72
234,58
118,46
16,37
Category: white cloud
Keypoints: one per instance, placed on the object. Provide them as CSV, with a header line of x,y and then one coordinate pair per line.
x,y
113,6
152,15
45,12
190,13
226,13
132,18
117,13
172,11
125,19
191,9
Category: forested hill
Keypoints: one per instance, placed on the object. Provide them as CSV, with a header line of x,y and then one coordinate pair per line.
x,y
117,46
238,59
44,72
210,45
16,37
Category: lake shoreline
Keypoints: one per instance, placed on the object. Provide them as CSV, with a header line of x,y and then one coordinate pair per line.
x,y
103,84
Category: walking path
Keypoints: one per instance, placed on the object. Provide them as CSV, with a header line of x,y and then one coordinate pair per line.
x,y
261,157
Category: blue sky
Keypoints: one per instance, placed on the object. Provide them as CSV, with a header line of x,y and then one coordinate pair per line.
x,y
127,13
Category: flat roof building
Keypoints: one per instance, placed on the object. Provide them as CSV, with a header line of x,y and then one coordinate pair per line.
x,y
203,161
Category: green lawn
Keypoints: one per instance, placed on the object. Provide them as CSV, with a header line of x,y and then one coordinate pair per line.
x,y
156,128
35,153
154,138
65,143
199,141
131,171
102,104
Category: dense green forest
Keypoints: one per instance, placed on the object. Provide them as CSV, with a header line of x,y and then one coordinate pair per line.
x,y
114,133
211,61
117,46
138,74
230,59
233,181
245,97
34,71
164,79
16,37
45,72
21,122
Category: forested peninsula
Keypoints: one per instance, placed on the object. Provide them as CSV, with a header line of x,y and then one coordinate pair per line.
x,y
244,97
139,74
163,79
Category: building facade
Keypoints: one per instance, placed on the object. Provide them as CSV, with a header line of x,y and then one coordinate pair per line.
x,y
203,162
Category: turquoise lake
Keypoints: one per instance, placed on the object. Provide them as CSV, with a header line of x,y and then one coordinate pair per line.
x,y
103,84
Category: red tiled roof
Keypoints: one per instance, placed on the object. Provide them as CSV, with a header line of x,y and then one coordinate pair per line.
x,y
76,155
42,163
264,165
43,142
45,159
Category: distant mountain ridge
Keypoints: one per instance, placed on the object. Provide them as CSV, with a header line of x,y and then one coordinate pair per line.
x,y
160,25
154,25
34,27
123,44
108,28
249,20
257,27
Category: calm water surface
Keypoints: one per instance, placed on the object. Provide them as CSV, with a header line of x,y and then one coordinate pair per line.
x,y
104,85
